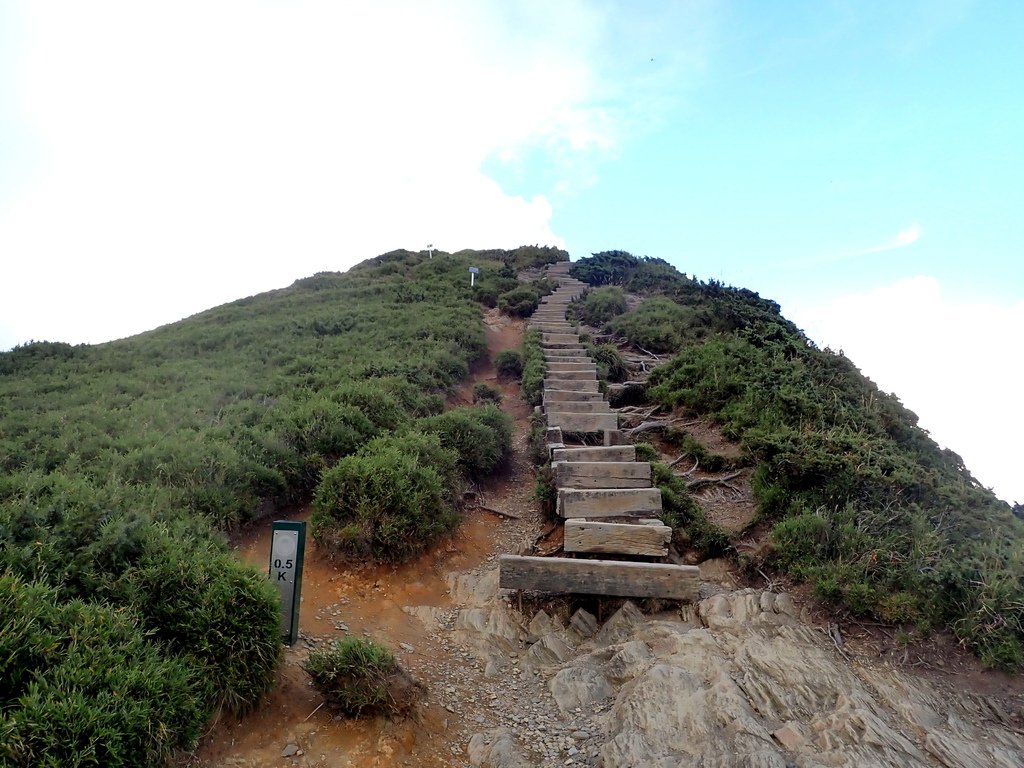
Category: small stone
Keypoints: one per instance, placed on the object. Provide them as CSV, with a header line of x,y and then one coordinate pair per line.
x,y
406,647
291,749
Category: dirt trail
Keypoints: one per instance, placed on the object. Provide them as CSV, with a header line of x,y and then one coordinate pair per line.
x,y
339,599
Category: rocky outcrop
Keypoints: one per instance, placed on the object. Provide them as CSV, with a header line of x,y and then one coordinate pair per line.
x,y
749,684
738,679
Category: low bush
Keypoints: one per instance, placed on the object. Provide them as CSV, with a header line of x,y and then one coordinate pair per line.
x,y
83,685
691,527
610,365
601,305
359,677
321,431
646,452
519,302
509,365
481,437
534,368
485,393
538,449
388,501
658,325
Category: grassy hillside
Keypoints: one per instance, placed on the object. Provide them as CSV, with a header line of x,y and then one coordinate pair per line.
x,y
124,621
861,501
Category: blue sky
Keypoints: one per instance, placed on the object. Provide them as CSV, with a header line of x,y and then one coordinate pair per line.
x,y
859,162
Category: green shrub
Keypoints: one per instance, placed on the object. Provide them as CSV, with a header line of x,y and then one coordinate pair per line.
x,y
373,399
487,296
509,365
610,365
684,515
321,431
481,437
658,325
218,613
359,677
543,285
193,598
384,502
646,452
519,302
485,393
537,446
602,305
84,686
534,368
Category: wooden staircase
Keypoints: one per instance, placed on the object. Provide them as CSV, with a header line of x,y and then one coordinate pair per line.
x,y
605,496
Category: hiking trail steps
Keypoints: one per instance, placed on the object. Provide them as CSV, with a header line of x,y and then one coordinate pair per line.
x,y
606,482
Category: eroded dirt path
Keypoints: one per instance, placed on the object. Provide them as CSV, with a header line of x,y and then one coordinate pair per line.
x,y
394,606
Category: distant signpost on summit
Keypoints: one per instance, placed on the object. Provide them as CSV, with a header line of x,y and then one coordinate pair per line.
x,y
473,272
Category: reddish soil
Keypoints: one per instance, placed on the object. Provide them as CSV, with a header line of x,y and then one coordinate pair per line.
x,y
342,598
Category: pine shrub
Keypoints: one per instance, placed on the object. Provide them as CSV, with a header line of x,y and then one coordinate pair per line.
x,y
360,677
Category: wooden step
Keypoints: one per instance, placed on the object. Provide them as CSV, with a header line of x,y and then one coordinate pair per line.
x,y
579,363
558,346
576,365
618,538
589,406
552,327
597,453
570,396
560,338
600,474
563,575
577,375
557,382
567,356
608,502
584,423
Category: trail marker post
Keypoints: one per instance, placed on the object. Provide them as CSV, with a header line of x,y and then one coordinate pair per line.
x,y
287,551
473,272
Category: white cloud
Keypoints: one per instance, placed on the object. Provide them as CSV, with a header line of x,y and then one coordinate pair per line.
x,y
195,152
902,239
947,359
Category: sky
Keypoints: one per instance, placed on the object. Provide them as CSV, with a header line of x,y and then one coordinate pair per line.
x,y
861,163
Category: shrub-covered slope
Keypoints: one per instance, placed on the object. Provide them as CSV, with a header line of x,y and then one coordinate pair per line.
x,y
124,620
862,502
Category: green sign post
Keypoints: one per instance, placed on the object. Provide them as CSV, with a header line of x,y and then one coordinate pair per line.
x,y
287,550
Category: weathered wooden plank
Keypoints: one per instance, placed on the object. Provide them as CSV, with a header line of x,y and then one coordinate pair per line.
x,y
560,338
599,577
552,327
592,406
601,474
557,356
577,352
577,365
598,453
553,346
584,423
608,502
562,396
557,382
583,375
620,538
